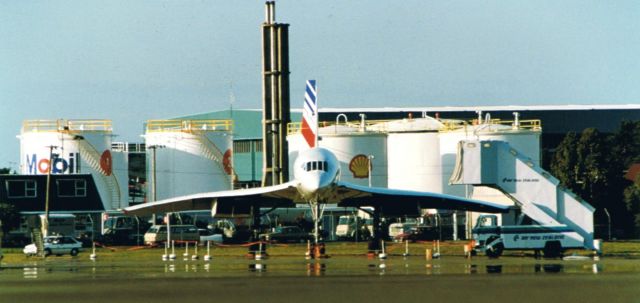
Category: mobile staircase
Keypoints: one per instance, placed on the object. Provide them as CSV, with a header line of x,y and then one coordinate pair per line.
x,y
560,219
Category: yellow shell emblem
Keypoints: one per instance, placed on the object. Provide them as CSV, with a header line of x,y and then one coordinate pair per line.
x,y
359,166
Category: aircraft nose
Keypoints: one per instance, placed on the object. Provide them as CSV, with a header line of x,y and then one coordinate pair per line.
x,y
311,185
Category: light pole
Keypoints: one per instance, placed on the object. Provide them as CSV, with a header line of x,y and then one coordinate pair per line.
x,y
153,170
45,226
153,175
370,158
609,222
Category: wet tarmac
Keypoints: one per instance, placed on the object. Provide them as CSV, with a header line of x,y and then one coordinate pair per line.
x,y
294,279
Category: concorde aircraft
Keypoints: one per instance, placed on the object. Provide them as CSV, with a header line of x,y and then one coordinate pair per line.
x,y
316,182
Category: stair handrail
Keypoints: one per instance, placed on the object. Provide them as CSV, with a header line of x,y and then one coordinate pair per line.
x,y
218,156
94,155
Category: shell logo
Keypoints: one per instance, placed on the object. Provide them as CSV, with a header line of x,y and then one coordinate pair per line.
x,y
227,162
359,166
106,163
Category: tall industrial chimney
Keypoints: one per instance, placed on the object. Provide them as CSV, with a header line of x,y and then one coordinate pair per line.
x,y
275,96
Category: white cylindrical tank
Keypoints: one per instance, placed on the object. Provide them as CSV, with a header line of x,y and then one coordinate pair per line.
x,y
188,157
354,147
414,154
74,147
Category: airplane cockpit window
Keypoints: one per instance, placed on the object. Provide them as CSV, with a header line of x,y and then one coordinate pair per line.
x,y
315,165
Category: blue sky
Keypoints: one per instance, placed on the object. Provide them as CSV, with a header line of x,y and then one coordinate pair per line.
x,y
131,61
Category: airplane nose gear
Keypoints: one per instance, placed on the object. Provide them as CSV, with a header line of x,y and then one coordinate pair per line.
x,y
317,249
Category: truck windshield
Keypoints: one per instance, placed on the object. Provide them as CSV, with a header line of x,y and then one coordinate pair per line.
x,y
486,221
344,220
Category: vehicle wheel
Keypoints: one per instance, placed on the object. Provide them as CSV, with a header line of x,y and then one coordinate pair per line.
x,y
552,249
495,251
74,252
47,252
366,235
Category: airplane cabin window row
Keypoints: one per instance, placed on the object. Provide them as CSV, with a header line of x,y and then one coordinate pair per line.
x,y
316,165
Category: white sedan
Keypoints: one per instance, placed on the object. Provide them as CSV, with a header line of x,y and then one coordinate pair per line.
x,y
58,245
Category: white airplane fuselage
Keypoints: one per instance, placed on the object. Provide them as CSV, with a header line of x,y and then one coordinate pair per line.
x,y
316,170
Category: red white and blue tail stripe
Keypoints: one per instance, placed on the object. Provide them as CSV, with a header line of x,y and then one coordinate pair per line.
x,y
310,115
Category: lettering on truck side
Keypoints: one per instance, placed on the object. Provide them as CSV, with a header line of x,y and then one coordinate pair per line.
x,y
538,237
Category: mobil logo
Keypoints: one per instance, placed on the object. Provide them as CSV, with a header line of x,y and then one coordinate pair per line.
x,y
58,164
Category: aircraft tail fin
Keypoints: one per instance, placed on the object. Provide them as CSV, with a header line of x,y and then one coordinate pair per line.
x,y
309,127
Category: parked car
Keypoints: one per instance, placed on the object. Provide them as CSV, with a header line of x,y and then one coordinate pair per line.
x,y
287,234
57,245
418,233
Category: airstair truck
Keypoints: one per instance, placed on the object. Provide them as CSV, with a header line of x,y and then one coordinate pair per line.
x,y
492,238
547,217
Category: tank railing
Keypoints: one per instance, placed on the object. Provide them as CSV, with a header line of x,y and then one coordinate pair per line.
x,y
533,125
128,147
119,146
189,125
295,127
449,125
87,125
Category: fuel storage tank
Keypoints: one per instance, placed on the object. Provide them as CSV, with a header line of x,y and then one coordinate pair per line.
x,y
354,144
413,157
187,157
74,147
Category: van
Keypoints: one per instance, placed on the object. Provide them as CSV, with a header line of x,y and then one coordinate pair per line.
x,y
158,233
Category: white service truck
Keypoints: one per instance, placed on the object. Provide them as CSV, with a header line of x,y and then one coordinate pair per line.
x,y
352,227
492,238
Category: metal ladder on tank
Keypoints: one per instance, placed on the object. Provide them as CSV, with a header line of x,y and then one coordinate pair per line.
x,y
89,153
212,152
